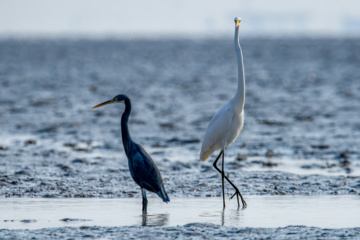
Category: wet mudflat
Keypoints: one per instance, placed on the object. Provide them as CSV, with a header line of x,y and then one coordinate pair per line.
x,y
301,135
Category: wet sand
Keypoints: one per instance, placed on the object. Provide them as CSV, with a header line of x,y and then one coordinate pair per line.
x,y
301,135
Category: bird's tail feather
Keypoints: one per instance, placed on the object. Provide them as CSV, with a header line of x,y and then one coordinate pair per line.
x,y
205,155
163,195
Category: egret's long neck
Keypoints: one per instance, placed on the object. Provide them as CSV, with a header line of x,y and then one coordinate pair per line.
x,y
239,98
126,138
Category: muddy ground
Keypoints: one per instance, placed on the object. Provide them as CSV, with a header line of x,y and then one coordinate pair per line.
x,y
301,133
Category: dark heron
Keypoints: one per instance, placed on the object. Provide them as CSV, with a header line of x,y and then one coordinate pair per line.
x,y
142,168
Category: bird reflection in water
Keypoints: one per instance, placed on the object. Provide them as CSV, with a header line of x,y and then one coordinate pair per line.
x,y
155,220
230,217
223,217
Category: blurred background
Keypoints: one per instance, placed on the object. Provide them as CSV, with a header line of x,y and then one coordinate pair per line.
x,y
202,18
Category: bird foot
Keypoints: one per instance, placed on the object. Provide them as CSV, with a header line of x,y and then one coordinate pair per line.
x,y
238,194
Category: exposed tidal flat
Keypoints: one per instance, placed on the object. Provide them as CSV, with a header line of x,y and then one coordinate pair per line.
x,y
301,134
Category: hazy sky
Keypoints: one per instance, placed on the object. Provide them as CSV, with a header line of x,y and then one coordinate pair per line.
x,y
170,17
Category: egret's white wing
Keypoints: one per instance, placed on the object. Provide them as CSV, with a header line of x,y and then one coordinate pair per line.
x,y
216,132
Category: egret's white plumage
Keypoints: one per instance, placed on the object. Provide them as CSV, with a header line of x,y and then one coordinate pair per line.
x,y
222,130
228,122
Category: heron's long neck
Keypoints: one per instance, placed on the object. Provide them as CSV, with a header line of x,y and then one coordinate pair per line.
x,y
239,98
126,138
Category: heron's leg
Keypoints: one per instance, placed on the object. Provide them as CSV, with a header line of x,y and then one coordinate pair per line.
x,y
237,192
145,201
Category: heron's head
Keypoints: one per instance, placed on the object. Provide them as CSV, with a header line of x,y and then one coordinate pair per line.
x,y
237,21
117,99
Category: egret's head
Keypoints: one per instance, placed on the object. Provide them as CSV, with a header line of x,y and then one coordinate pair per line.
x,y
117,99
237,21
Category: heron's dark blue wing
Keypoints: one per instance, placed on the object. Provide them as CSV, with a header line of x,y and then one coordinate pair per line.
x,y
145,172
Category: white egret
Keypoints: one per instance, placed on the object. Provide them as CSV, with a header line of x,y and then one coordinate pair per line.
x,y
227,123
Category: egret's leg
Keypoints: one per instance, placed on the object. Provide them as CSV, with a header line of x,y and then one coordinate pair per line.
x,y
223,177
215,166
145,201
237,192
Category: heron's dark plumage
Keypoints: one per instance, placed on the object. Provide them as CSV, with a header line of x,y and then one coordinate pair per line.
x,y
144,171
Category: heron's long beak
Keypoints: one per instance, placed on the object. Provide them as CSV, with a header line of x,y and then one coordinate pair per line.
x,y
104,103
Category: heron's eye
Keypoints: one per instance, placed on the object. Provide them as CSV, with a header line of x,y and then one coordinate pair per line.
x,y
115,99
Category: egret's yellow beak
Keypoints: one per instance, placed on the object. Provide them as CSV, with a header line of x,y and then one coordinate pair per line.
x,y
104,103
237,22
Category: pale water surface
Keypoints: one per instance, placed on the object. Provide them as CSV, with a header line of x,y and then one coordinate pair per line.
x,y
262,211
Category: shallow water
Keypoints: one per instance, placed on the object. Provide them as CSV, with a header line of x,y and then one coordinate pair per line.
x,y
303,166
262,211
